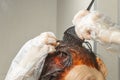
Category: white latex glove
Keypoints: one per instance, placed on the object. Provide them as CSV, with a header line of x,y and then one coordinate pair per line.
x,y
93,25
83,72
29,61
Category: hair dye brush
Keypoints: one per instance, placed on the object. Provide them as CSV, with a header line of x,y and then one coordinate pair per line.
x,y
90,5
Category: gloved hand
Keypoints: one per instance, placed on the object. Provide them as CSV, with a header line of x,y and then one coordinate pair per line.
x,y
30,59
96,26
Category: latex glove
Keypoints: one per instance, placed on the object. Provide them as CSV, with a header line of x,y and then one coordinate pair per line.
x,y
83,72
77,18
30,59
96,26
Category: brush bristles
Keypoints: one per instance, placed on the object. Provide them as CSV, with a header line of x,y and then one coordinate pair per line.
x,y
71,37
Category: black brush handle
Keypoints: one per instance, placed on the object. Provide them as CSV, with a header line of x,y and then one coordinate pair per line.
x,y
90,5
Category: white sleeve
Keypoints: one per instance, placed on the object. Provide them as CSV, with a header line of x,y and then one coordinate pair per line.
x,y
30,59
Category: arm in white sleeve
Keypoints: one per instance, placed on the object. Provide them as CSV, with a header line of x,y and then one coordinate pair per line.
x,y
96,26
30,59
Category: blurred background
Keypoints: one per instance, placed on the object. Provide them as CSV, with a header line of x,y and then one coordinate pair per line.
x,y
22,20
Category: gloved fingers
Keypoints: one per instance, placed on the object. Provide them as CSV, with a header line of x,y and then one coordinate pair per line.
x,y
87,16
45,38
49,38
83,32
87,34
90,20
79,16
51,49
94,16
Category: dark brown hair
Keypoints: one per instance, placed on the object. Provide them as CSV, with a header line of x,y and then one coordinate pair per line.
x,y
63,58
